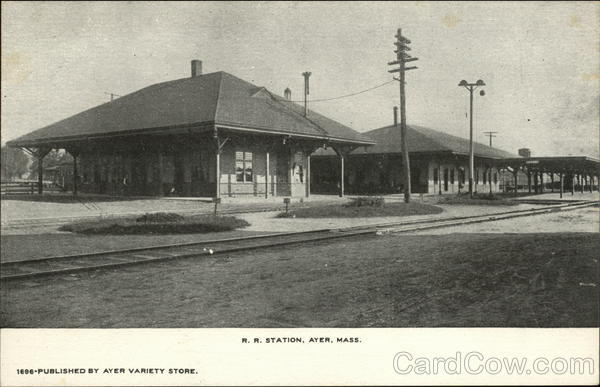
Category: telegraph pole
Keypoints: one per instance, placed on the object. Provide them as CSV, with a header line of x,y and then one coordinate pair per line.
x,y
401,59
490,135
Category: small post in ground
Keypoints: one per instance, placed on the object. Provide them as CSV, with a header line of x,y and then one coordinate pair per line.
x,y
217,201
562,185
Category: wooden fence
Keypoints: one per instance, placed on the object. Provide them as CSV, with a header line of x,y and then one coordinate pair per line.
x,y
26,187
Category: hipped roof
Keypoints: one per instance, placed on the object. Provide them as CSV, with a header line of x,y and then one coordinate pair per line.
x,y
424,140
215,99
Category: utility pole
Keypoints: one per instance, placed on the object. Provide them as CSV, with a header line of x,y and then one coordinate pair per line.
x,y
490,135
306,75
471,87
401,59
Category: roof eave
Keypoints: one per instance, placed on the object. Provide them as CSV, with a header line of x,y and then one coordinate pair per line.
x,y
266,130
166,130
177,129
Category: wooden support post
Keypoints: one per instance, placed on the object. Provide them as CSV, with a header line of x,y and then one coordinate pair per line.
x,y
552,182
342,152
588,181
581,183
218,173
161,190
591,183
267,174
342,157
541,182
562,185
74,153
529,181
75,175
439,178
516,176
572,184
218,149
535,182
40,153
40,174
307,175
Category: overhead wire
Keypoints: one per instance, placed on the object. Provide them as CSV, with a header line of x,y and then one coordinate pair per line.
x,y
347,95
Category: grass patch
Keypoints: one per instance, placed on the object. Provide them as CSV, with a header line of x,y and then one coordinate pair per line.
x,y
160,223
478,199
362,207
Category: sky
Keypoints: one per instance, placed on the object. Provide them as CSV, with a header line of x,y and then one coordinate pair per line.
x,y
540,61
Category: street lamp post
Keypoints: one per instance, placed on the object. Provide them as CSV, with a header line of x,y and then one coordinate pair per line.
x,y
471,87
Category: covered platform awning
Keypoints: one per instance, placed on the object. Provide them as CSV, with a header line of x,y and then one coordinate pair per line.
x,y
555,164
572,171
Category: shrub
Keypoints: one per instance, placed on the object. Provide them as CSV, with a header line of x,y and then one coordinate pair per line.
x,y
366,201
190,225
344,211
478,199
160,217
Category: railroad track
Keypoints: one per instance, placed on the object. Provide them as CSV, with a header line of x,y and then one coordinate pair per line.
x,y
110,259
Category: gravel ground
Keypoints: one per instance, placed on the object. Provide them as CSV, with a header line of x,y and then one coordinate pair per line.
x,y
266,221
55,207
580,220
459,280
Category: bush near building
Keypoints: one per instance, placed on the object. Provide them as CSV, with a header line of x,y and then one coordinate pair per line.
x,y
362,207
478,199
160,223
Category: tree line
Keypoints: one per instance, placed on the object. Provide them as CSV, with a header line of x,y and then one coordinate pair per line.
x,y
16,164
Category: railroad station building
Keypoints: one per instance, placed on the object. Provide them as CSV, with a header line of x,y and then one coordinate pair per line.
x,y
213,135
207,135
439,164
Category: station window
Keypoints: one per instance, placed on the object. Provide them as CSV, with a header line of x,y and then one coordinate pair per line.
x,y
243,167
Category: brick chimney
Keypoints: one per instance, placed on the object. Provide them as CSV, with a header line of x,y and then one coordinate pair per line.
x,y
395,115
196,68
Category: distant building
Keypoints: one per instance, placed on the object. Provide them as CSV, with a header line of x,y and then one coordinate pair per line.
x,y
439,163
